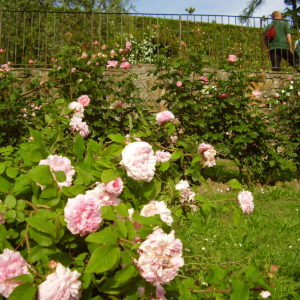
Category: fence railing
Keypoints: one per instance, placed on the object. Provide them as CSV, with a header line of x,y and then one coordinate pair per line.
x,y
39,35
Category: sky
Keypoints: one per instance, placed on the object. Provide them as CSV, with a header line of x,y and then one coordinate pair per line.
x,y
206,7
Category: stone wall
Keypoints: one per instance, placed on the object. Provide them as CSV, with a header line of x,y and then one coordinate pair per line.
x,y
268,82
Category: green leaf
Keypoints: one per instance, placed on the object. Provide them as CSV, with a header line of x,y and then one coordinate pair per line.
x,y
2,167
12,172
109,175
24,278
108,213
107,235
25,291
41,175
78,146
122,228
240,290
234,184
164,166
41,238
22,185
48,193
118,138
103,259
10,201
60,176
176,155
41,224
4,185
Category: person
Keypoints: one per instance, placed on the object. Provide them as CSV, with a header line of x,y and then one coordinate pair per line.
x,y
281,46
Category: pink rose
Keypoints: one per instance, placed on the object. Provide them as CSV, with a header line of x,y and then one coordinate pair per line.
x,y
179,83
73,70
139,161
84,100
276,95
53,59
164,117
204,79
31,61
112,52
95,42
63,284
111,63
128,45
256,93
82,214
114,187
125,65
246,203
12,264
232,58
2,50
222,95
104,47
84,55
162,156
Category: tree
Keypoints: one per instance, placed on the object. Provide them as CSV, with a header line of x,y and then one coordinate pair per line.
x,y
190,10
293,13
82,5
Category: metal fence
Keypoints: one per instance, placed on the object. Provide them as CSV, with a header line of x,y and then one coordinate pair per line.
x,y
39,35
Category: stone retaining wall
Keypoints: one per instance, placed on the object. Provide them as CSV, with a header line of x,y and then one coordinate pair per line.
x,y
268,82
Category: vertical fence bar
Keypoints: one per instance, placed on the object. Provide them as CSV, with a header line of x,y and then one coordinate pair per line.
x,y
1,18
180,32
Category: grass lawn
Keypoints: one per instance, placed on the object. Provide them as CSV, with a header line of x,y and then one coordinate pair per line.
x,y
221,243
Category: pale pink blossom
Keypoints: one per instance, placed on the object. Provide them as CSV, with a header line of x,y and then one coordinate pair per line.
x,y
246,203
182,185
84,55
232,58
53,59
77,125
84,100
12,264
276,95
160,292
186,194
208,153
111,63
42,83
2,50
174,138
88,63
118,103
82,214
103,47
63,284
78,108
112,53
204,79
58,163
73,70
114,187
129,138
128,45
5,68
157,208
125,65
52,264
31,138
160,257
265,294
164,117
256,93
162,156
103,196
31,61
139,161
178,83
99,54
95,42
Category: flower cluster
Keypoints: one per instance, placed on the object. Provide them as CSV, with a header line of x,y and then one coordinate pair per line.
x,y
232,58
139,161
246,203
12,264
76,123
82,213
160,257
59,163
208,153
157,208
164,117
162,156
186,194
63,284
5,67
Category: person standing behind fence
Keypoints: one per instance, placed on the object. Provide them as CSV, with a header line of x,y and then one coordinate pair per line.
x,y
279,43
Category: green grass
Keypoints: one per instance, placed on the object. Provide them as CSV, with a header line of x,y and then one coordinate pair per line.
x,y
226,238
